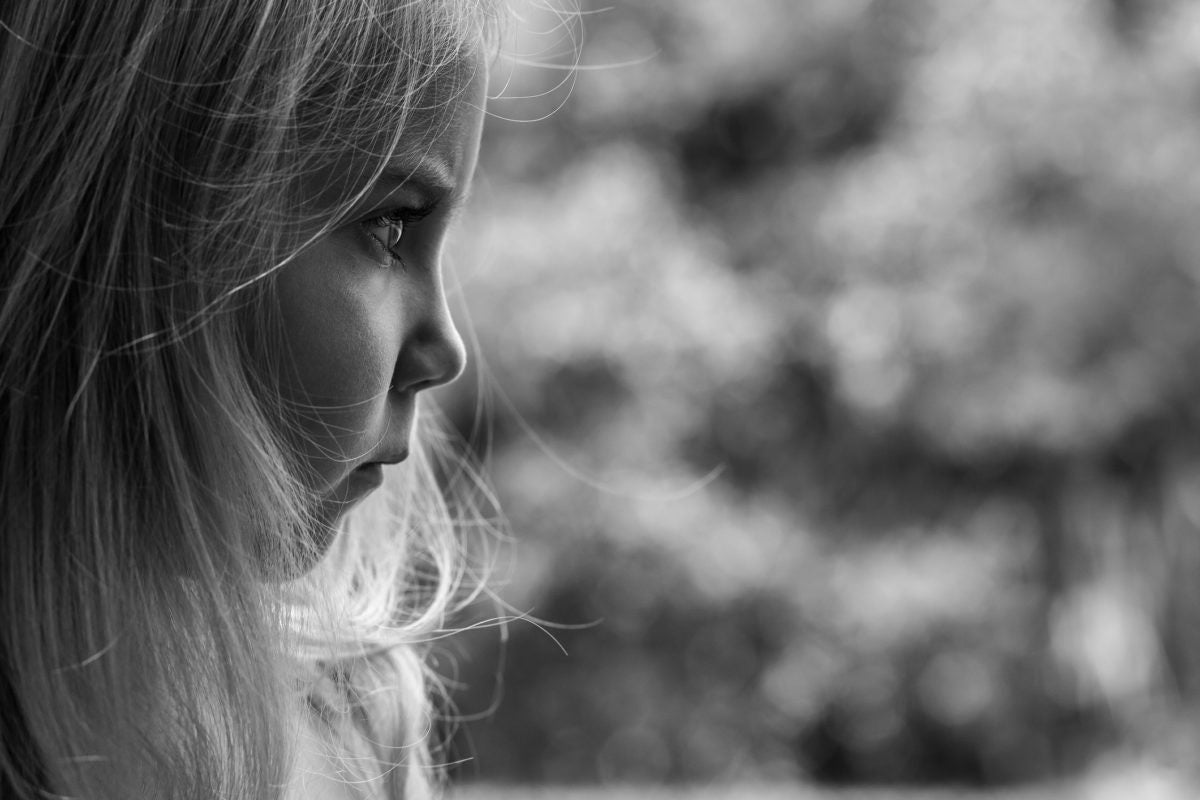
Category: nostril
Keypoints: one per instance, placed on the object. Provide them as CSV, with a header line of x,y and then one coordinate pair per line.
x,y
419,386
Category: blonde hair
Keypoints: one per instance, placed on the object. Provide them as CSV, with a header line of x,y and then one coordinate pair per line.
x,y
154,636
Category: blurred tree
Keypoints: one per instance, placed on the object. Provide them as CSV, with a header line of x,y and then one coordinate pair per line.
x,y
920,279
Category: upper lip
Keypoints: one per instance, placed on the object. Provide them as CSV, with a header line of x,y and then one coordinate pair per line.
x,y
392,459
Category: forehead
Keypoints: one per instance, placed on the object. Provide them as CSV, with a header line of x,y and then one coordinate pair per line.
x,y
433,139
447,120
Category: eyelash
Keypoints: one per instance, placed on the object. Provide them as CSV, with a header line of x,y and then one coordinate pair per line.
x,y
396,217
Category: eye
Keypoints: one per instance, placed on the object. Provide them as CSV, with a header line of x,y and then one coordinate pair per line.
x,y
389,227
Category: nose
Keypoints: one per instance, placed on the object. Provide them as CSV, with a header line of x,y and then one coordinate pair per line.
x,y
433,353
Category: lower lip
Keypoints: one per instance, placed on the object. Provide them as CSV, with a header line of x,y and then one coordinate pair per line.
x,y
367,477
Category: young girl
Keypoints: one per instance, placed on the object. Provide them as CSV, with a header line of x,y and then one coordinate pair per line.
x,y
220,232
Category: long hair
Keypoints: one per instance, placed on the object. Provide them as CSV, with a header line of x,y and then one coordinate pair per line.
x,y
158,620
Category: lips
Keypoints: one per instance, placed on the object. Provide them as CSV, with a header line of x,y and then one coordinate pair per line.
x,y
395,459
373,470
364,480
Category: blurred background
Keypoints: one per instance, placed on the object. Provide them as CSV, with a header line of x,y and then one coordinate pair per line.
x,y
839,363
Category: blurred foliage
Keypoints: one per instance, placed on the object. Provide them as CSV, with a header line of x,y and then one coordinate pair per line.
x,y
842,359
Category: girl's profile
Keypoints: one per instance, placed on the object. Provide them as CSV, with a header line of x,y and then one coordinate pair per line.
x,y
221,229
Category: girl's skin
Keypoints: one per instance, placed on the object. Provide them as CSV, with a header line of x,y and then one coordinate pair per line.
x,y
363,309
366,327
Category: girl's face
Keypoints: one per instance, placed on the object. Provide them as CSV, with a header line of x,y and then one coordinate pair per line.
x,y
363,310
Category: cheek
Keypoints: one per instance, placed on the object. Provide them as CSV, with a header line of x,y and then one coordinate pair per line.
x,y
337,356
338,351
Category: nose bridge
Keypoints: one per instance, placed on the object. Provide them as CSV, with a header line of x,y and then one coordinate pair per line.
x,y
433,353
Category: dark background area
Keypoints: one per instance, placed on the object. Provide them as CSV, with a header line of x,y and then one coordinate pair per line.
x,y
841,387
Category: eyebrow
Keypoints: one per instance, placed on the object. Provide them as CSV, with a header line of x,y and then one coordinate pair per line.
x,y
429,176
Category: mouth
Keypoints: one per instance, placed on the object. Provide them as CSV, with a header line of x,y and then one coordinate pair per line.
x,y
361,481
371,473
364,480
391,459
